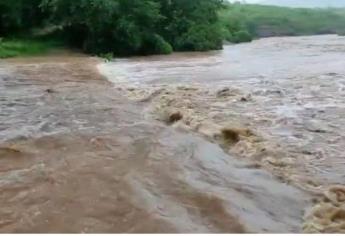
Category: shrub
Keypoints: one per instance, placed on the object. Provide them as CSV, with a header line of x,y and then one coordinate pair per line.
x,y
107,56
201,38
242,37
155,44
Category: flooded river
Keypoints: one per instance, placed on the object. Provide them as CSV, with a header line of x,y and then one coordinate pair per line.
x,y
192,142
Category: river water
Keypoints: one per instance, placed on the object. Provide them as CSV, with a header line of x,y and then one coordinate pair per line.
x,y
191,142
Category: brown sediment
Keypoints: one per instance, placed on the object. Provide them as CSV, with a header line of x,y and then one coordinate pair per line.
x,y
4,150
236,133
231,136
175,117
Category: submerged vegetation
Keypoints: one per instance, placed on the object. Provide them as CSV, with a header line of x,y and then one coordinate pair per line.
x,y
143,27
256,21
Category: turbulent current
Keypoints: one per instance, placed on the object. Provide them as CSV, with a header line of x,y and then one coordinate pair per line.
x,y
248,139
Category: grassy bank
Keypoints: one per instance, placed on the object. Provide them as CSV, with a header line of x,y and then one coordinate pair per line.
x,y
14,47
256,21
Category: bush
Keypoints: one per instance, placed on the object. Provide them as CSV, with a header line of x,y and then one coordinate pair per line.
x,y
242,37
201,38
107,56
155,44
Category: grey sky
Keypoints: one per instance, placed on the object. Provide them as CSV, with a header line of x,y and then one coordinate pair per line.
x,y
248,1
299,3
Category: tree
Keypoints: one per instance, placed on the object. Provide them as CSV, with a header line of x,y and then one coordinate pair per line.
x,y
122,27
19,15
191,24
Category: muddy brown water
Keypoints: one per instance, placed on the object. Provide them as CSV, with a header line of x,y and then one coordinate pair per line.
x,y
291,90
81,154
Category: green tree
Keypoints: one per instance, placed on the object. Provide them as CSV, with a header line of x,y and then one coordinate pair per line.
x,y
121,27
99,26
19,15
191,24
139,26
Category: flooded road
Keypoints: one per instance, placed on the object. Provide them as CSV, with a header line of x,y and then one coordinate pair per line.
x,y
187,143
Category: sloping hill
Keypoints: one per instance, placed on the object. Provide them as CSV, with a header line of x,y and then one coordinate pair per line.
x,y
268,21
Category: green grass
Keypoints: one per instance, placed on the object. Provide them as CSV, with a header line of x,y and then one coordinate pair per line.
x,y
26,47
266,21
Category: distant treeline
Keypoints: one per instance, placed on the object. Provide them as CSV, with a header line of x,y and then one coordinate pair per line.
x,y
122,27
244,22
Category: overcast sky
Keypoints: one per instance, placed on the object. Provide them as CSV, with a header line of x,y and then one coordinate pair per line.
x,y
299,3
248,1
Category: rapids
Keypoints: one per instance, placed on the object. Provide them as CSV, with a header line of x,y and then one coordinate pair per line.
x,y
248,139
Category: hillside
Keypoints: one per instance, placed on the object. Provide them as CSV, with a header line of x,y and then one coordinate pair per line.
x,y
267,21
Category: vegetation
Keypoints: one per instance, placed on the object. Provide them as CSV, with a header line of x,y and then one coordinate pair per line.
x,y
241,36
242,22
122,27
19,15
25,47
119,27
